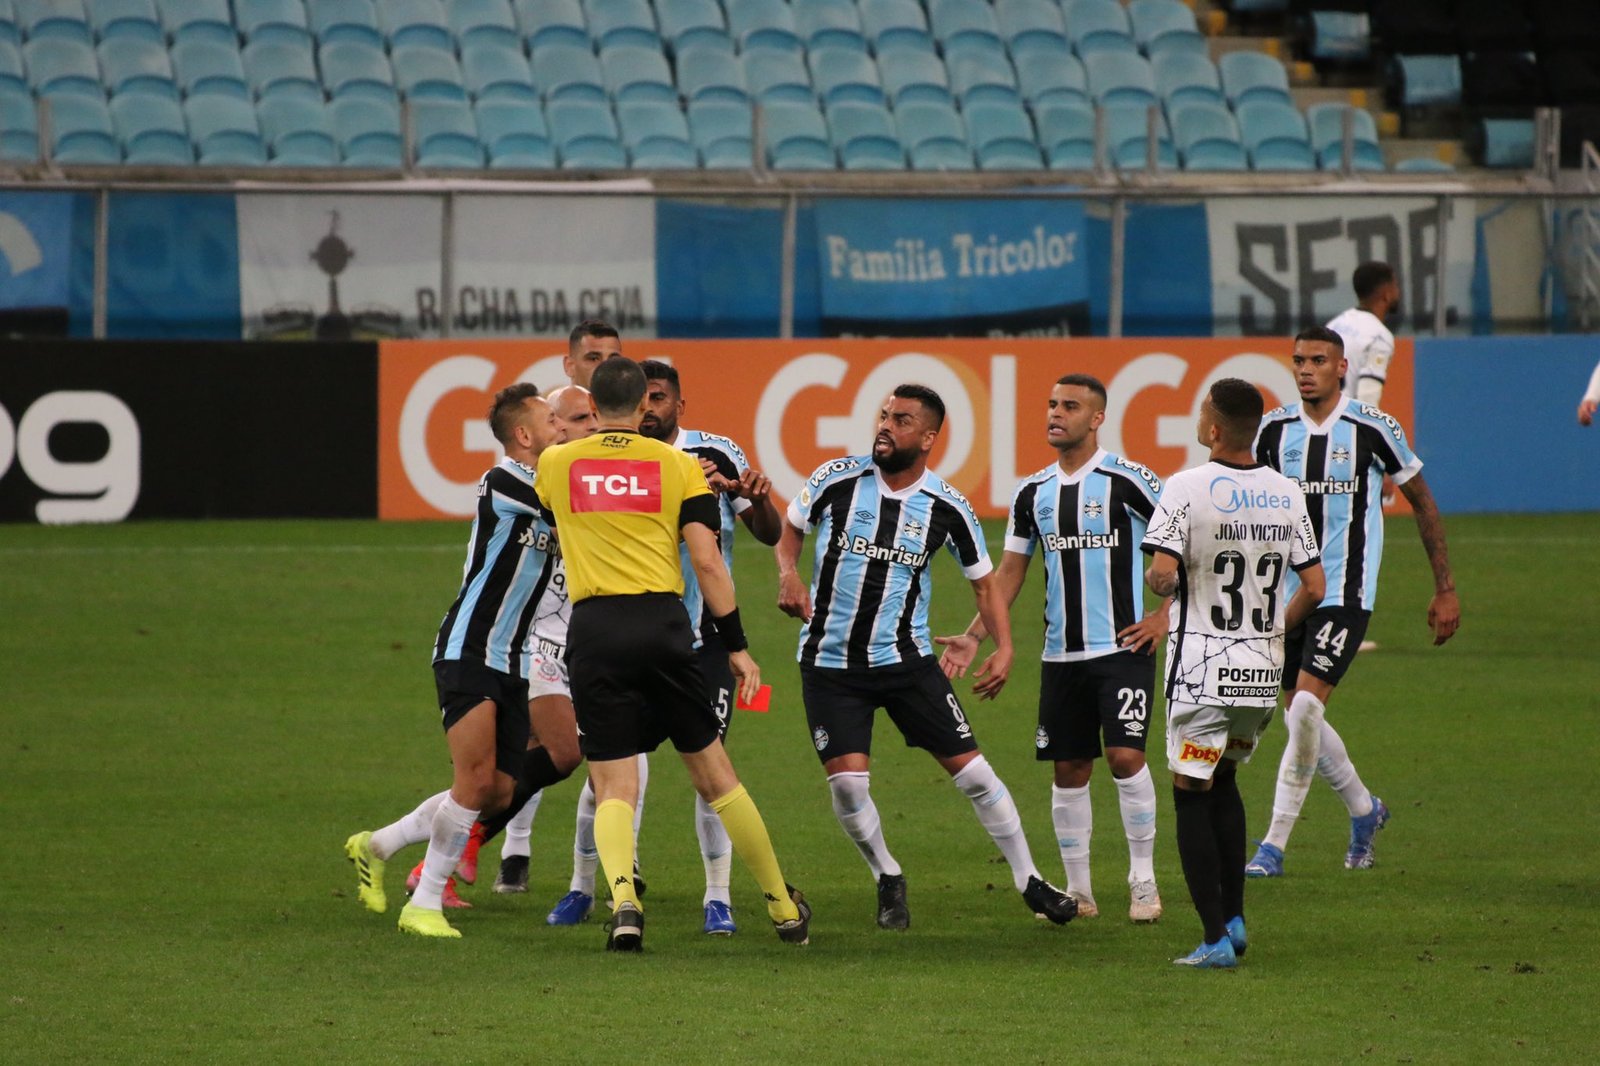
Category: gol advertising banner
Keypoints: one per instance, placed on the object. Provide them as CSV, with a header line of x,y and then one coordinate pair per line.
x,y
793,405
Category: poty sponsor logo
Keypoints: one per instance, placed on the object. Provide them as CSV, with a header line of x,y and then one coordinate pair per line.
x,y
1192,752
1228,496
632,485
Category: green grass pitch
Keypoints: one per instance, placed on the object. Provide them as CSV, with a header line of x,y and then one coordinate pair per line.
x,y
197,715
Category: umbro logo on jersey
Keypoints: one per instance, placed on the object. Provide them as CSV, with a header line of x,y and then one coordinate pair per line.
x,y
1292,453
1093,508
1322,662
1046,512
865,516
1134,729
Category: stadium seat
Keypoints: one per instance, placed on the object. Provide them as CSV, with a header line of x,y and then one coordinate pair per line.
x,y
622,23
198,20
1208,137
151,130
298,132
688,24
763,24
1275,135
910,75
483,22
276,21
445,134
1428,81
515,134
549,22
1508,142
797,138
368,129
1029,24
710,74
275,67
424,72
941,157
10,32
134,64
1066,132
1162,27
977,76
1182,78
656,136
1045,76
497,72
1003,136
865,137
1249,76
112,19
1340,35
841,74
1128,137
891,25
563,72
1326,125
346,21
959,23
415,24
46,19
777,77
829,24
351,69
721,131
62,65
13,74
1098,26
1120,78
81,131
224,131
634,73
586,135
922,123
19,127
1423,164
204,66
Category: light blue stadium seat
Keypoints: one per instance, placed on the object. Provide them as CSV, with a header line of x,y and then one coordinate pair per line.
x,y
13,74
622,23
841,74
515,134
1165,26
125,18
1248,76
777,76
721,131
1066,132
634,73
1003,136
1341,35
1208,137
1423,164
1128,137
340,21
277,67
415,24
1429,81
564,72
1030,24
797,138
865,136
688,24
59,64
910,74
205,66
483,22
977,75
1508,142
279,21
423,72
891,25
763,24
1046,75
10,32
656,135
298,132
351,69
710,74
64,19
199,20
368,129
1183,78
19,127
136,64
934,135
497,72
1326,125
81,131
586,134
224,131
1098,26
1275,135
445,134
829,24
958,23
1120,78
552,22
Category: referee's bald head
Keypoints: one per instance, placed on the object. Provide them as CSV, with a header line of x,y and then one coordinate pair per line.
x,y
617,387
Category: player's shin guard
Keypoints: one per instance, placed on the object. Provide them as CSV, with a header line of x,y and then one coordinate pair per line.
x,y
414,828
585,859
452,824
749,836
858,817
1228,827
997,812
520,828
538,772
1137,797
613,838
1298,766
1335,767
716,851
1073,816
1202,866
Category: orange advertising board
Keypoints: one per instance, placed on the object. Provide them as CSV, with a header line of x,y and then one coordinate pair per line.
x,y
793,405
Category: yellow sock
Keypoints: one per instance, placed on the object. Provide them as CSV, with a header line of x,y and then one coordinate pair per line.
x,y
754,848
613,839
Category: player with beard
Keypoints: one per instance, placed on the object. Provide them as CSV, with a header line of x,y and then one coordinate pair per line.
x,y
878,520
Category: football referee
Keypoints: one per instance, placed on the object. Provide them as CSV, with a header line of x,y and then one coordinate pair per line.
x,y
621,502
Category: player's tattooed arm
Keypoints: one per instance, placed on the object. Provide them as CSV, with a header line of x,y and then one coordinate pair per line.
x,y
1162,576
1444,610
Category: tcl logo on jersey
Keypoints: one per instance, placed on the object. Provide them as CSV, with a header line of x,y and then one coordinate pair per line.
x,y
1198,753
615,485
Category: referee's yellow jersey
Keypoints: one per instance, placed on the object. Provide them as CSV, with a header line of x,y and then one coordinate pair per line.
x,y
617,498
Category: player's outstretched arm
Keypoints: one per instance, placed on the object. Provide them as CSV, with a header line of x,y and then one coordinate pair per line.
x,y
995,613
1444,610
960,650
762,519
1313,586
794,599
717,587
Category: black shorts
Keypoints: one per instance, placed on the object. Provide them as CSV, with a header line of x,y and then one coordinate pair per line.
x,y
463,685
1325,644
636,679
720,688
1080,700
840,705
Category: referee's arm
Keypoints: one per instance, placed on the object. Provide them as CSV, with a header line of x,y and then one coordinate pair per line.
x,y
700,516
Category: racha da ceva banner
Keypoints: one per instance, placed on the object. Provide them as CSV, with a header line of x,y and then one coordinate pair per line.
x,y
793,405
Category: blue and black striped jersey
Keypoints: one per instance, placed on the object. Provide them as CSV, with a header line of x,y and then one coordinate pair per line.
x,y
731,463
509,563
1340,465
1091,523
870,584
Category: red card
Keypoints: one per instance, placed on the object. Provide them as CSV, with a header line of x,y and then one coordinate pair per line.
x,y
763,700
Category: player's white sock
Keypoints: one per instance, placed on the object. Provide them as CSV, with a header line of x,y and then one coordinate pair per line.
x,y
452,824
585,856
414,828
858,815
997,812
638,803
1138,798
1073,816
1337,770
1296,768
520,828
716,851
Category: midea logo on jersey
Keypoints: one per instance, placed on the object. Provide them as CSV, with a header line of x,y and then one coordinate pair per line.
x,y
1228,496
1057,543
895,554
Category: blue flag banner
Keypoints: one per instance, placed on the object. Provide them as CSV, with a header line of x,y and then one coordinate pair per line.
x,y
36,246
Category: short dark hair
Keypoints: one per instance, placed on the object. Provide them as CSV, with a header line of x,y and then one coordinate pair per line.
x,y
656,370
1239,406
617,386
1321,335
1370,277
1085,381
507,406
591,327
926,397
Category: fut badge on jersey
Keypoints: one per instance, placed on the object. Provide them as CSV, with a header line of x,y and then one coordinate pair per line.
x,y
632,485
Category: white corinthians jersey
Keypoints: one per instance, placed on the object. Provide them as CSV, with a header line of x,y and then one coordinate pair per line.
x,y
1368,346
1234,530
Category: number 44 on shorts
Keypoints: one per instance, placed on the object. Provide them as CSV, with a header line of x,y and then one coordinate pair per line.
x,y
1327,639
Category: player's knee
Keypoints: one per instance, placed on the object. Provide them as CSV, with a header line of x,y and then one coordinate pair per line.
x,y
565,755
1124,762
1075,773
850,792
